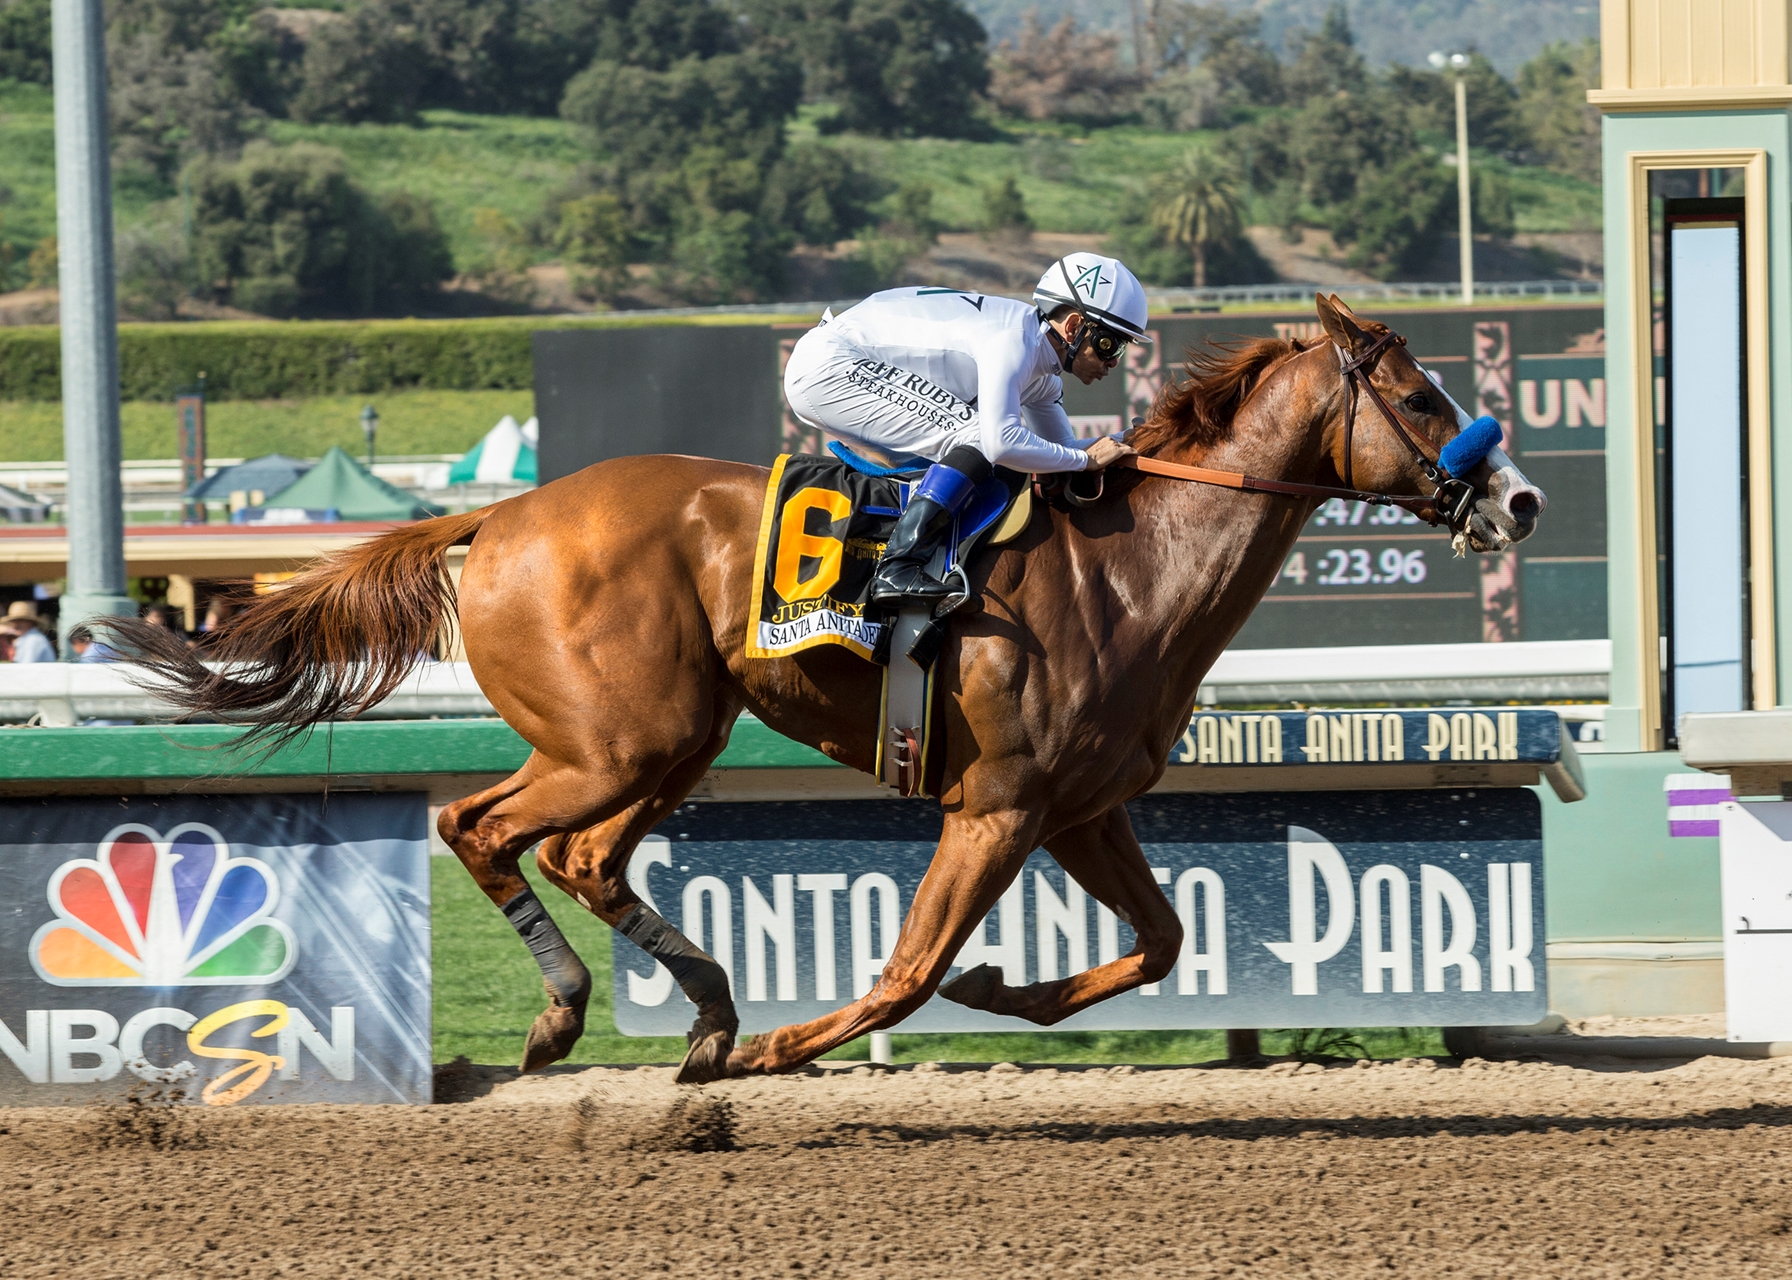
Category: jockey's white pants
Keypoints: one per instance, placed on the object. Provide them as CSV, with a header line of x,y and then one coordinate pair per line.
x,y
832,384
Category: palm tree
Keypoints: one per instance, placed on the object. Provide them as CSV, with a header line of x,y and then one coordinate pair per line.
x,y
1198,205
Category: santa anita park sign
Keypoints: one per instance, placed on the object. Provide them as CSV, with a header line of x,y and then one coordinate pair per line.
x,y
1371,908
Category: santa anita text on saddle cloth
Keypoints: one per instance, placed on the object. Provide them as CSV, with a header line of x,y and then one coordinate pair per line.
x,y
1298,909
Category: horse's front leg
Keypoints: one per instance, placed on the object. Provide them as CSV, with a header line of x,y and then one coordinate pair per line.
x,y
977,860
1102,855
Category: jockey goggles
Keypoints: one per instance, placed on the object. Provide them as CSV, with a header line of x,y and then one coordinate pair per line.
x,y
1106,343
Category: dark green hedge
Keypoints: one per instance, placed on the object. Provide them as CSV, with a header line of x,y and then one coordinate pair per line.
x,y
256,360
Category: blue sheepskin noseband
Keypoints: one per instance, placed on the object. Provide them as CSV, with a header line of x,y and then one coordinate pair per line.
x,y
1469,447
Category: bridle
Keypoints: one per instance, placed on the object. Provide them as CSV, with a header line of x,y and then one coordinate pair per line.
x,y
1450,504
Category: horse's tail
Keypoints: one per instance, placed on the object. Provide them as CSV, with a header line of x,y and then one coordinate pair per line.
x,y
325,645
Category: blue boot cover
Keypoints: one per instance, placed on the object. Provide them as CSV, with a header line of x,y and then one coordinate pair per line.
x,y
1470,446
948,486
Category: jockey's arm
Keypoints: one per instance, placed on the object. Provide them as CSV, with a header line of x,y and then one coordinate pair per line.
x,y
1004,437
1050,422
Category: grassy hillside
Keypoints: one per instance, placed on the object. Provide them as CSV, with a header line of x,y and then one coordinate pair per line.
x,y
459,162
28,171
1072,181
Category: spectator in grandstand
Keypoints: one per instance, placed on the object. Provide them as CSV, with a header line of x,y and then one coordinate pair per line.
x,y
218,611
87,649
29,643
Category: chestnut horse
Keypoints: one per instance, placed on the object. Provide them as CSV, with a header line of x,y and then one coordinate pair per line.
x,y
605,617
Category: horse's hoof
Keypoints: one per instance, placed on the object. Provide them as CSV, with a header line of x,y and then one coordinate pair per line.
x,y
975,988
706,1060
552,1036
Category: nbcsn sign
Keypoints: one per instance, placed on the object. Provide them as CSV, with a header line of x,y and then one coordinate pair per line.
x,y
164,912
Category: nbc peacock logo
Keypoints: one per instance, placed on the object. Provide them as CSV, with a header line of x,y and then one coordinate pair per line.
x,y
163,911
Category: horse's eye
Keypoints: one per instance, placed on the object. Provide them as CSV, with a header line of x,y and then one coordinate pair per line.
x,y
1419,402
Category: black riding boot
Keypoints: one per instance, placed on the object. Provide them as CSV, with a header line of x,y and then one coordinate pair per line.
x,y
902,576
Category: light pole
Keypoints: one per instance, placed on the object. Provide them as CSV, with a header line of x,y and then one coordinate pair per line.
x,y
370,423
95,502
1459,63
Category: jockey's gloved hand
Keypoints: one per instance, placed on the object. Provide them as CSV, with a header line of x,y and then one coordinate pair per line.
x,y
1106,451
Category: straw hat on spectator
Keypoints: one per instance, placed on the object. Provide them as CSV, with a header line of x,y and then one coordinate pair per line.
x,y
23,611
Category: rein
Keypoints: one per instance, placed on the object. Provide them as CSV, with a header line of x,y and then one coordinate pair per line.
x,y
1449,505
1239,480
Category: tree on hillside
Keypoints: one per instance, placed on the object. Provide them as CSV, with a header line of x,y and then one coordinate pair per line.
x,y
1333,142
1005,209
1063,74
169,104
1493,119
1227,46
171,97
821,194
1397,217
25,40
285,232
688,117
358,69
592,237
1199,206
1564,128
889,66
918,67
1326,63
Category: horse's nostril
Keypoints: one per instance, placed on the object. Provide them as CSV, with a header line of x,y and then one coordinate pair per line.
x,y
1523,505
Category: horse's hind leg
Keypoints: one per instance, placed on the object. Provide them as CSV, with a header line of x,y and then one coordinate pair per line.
x,y
1102,855
490,831
592,867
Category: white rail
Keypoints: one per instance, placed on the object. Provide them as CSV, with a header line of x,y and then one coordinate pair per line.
x,y
66,693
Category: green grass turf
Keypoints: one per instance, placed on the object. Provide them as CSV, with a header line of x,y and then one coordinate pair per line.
x,y
411,422
488,991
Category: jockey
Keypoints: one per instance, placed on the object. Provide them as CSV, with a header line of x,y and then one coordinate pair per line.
x,y
968,381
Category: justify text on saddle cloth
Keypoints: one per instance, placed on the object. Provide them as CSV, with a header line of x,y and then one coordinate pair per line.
x,y
921,371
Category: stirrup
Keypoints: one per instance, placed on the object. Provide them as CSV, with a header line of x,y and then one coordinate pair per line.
x,y
958,589
910,598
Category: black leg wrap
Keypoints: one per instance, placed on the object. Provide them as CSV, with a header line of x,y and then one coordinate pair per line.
x,y
568,981
698,975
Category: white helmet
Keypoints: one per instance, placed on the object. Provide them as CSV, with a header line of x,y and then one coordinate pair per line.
x,y
1099,287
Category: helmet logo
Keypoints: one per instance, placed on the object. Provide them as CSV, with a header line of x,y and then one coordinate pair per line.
x,y
1089,279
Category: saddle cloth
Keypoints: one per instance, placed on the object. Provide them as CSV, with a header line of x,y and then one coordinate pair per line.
x,y
824,525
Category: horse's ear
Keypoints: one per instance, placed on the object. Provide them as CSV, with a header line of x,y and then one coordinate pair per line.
x,y
1340,323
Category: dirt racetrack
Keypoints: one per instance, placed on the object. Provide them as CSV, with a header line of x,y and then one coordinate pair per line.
x,y
1418,1168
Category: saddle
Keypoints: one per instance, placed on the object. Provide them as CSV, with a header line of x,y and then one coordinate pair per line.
x,y
824,526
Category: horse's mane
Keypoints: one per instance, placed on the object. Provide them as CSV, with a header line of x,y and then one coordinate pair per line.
x,y
1219,378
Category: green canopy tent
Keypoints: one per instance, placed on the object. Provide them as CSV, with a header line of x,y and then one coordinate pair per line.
x,y
355,492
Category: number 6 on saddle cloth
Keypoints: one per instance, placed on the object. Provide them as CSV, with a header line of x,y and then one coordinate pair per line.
x,y
824,526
